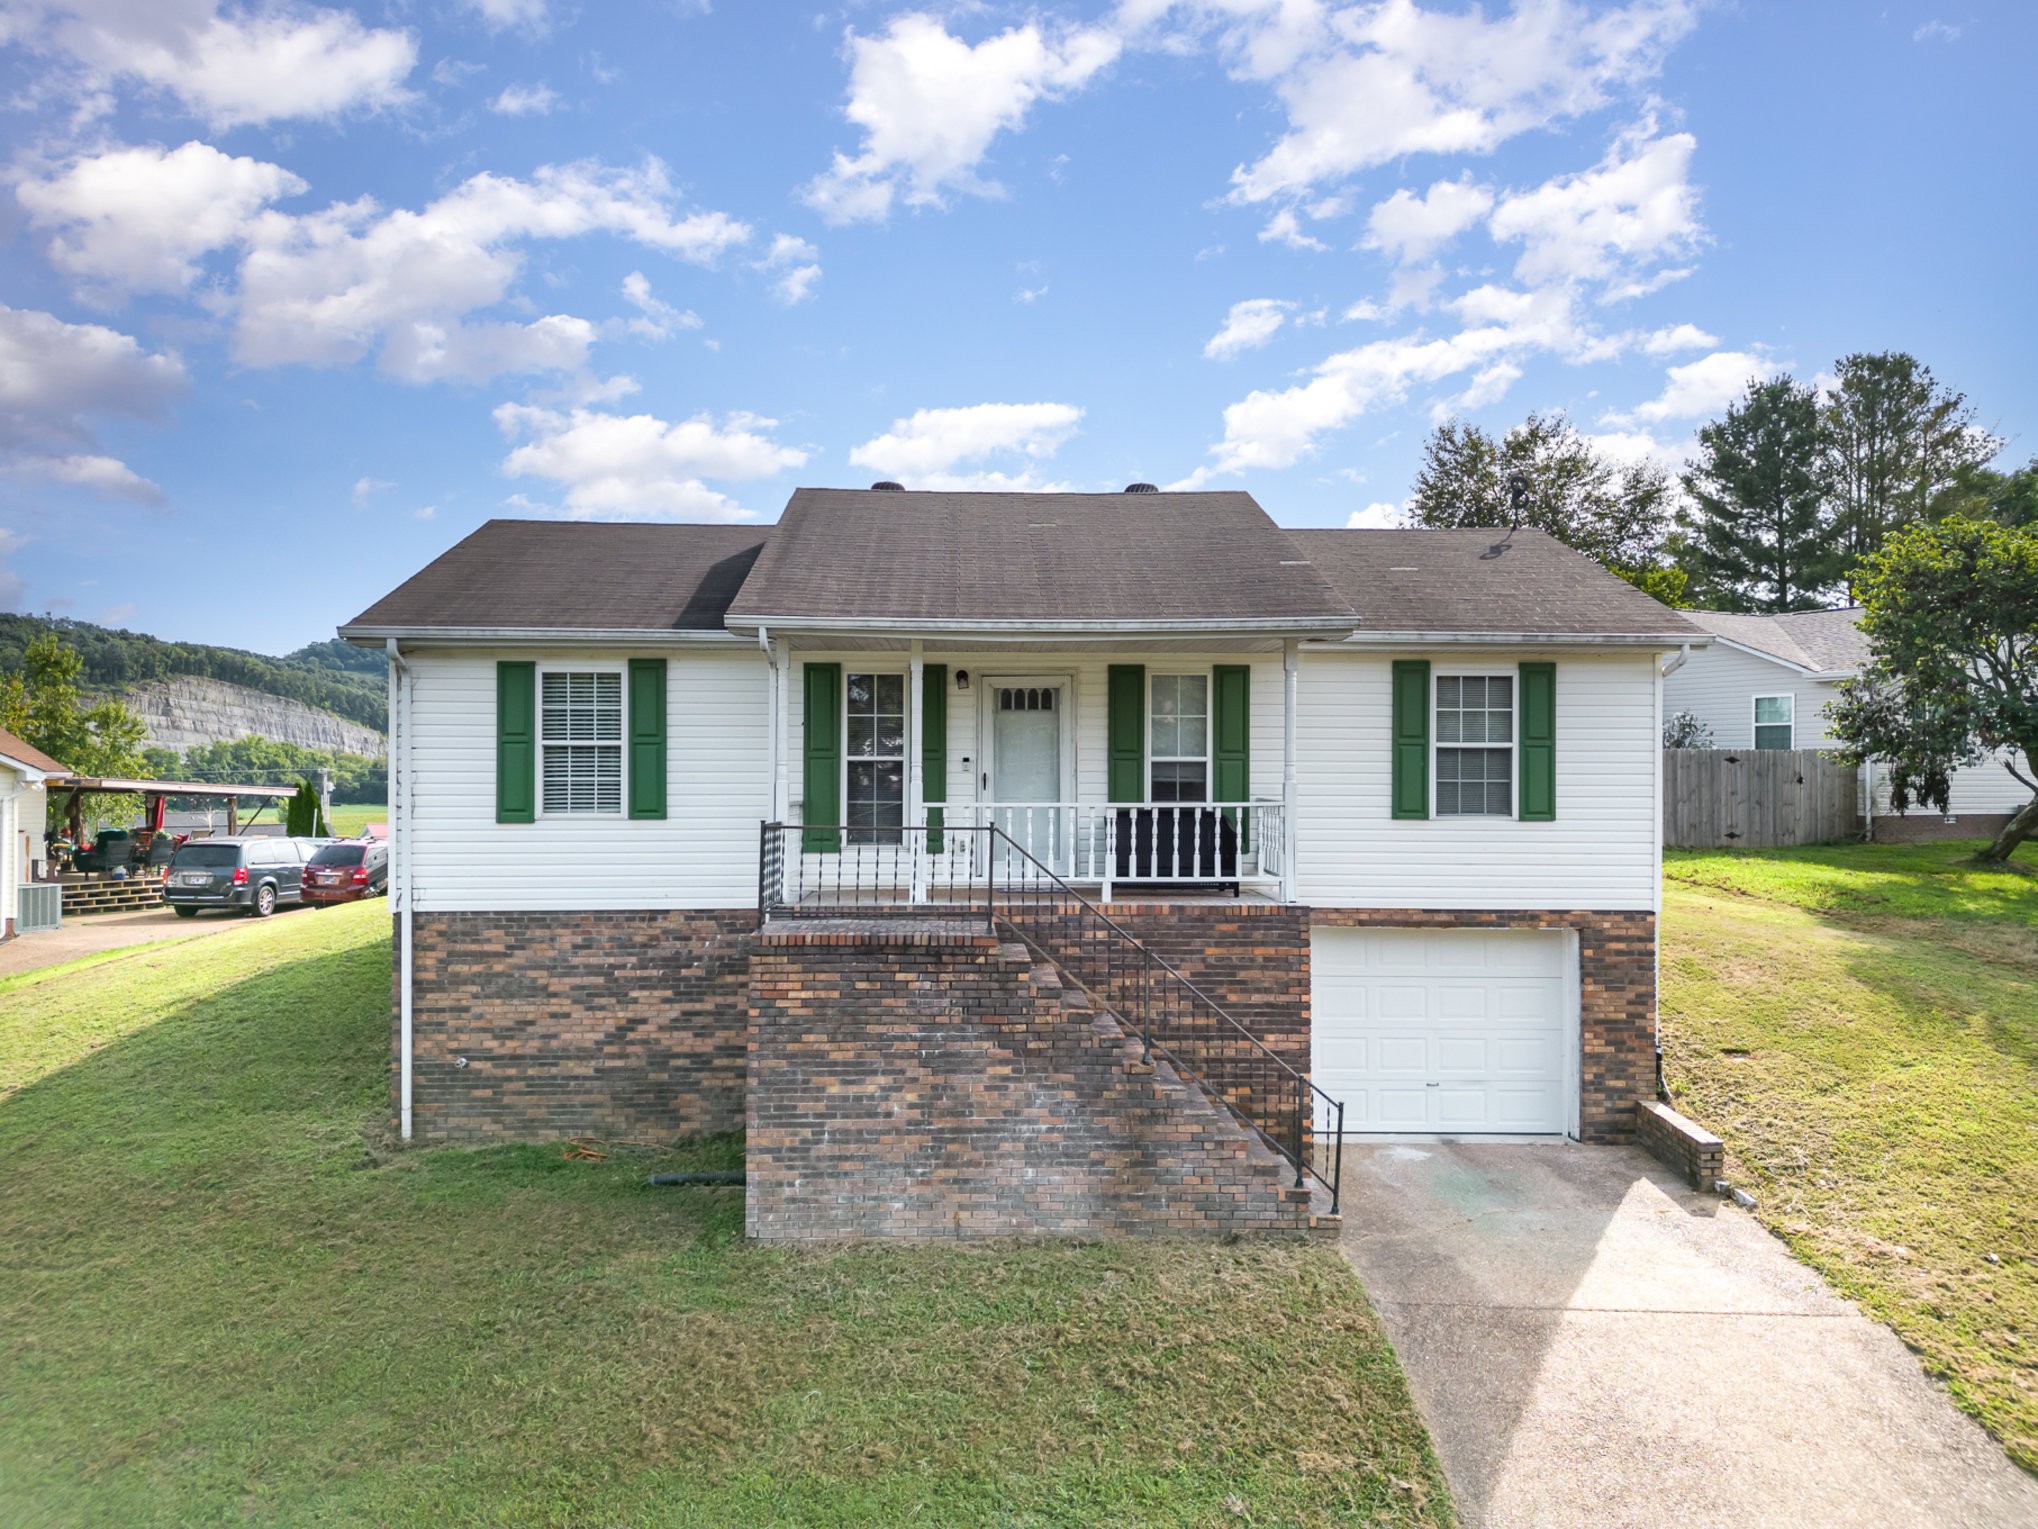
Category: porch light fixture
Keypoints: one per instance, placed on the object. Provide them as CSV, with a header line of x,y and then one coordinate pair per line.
x,y
962,679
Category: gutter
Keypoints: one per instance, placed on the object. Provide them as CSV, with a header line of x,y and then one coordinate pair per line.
x,y
1421,639
923,626
550,636
401,682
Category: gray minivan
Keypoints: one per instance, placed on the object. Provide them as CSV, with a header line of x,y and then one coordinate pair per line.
x,y
250,875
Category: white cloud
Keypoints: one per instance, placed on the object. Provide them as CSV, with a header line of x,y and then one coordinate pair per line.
x,y
1702,387
511,13
367,488
1411,228
932,441
1632,448
331,286
1030,294
1936,31
231,68
930,106
1285,228
1489,386
1248,326
656,319
797,265
640,467
57,380
525,101
1270,429
1607,224
1678,337
1364,85
141,219
1378,516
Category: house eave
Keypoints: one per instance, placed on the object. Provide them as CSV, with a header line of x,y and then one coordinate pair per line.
x,y
1422,639
1787,663
1029,628
553,637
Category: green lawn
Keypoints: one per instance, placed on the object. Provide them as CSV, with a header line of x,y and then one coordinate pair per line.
x,y
1861,1025
226,1298
349,818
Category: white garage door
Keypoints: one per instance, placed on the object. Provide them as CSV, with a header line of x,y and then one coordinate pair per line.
x,y
1442,1029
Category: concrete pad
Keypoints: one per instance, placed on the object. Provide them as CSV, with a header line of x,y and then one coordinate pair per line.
x,y
1595,1345
91,934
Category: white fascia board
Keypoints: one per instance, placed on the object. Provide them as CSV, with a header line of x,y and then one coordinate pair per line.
x,y
32,774
1657,641
546,637
1243,626
1778,659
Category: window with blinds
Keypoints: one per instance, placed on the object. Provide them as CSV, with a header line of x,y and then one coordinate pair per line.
x,y
581,739
1475,745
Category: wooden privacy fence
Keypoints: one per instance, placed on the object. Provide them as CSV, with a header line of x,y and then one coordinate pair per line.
x,y
1757,798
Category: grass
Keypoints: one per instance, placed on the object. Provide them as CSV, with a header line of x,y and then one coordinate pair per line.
x,y
1861,1025
349,818
226,1298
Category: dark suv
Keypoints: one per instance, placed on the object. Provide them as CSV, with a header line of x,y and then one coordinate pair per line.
x,y
251,875
346,872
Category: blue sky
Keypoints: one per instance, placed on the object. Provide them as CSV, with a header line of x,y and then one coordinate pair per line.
x,y
305,293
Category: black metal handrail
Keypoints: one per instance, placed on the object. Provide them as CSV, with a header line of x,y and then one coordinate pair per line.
x,y
981,873
1171,1015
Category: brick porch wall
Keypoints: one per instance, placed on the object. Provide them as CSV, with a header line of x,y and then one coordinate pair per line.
x,y
912,1084
1616,997
626,1024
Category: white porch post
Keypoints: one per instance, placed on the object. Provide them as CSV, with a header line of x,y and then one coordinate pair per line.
x,y
916,813
1289,665
781,792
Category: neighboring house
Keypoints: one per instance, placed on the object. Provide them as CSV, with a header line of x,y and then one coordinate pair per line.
x,y
23,813
1434,887
1765,683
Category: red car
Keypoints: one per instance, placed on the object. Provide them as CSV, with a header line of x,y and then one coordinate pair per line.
x,y
346,872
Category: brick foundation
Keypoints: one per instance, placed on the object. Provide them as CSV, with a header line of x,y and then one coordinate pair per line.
x,y
1616,997
1685,1145
625,1024
912,1081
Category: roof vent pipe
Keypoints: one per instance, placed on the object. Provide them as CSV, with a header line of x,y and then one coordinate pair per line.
x,y
885,485
1141,488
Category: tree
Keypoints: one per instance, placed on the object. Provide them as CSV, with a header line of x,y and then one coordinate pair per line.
x,y
1899,448
1543,473
41,704
303,817
1952,677
2009,498
1685,730
1758,531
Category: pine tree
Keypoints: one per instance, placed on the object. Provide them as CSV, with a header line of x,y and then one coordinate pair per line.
x,y
1759,531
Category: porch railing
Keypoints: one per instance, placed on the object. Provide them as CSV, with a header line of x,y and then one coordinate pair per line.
x,y
1157,842
980,872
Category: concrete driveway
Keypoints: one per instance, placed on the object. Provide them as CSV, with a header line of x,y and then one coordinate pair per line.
x,y
1593,1344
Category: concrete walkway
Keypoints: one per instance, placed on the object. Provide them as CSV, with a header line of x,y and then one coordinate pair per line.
x,y
89,935
1593,1344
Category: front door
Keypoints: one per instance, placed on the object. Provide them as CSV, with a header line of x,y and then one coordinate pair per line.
x,y
1026,768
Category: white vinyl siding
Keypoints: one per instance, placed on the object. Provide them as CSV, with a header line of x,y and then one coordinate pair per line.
x,y
702,855
1599,853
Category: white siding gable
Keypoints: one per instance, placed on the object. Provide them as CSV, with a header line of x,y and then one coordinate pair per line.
x,y
1718,685
703,854
1600,853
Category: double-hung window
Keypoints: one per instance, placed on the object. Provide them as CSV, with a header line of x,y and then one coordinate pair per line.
x,y
580,740
875,718
1178,738
1475,745
1775,716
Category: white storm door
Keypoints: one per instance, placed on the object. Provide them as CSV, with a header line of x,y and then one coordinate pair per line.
x,y
1457,1031
1026,767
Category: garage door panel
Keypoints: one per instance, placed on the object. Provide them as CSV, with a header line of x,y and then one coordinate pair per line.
x,y
1442,1030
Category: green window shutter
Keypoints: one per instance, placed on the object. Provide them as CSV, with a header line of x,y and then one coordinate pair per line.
x,y
1411,738
516,742
1231,733
647,737
821,789
1538,744
934,748
1126,750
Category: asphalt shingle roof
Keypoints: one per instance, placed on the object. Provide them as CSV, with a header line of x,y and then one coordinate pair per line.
x,y
858,555
24,752
548,574
1483,581
1825,641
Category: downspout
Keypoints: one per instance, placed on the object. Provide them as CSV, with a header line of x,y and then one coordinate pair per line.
x,y
771,738
399,833
1289,667
1656,1005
